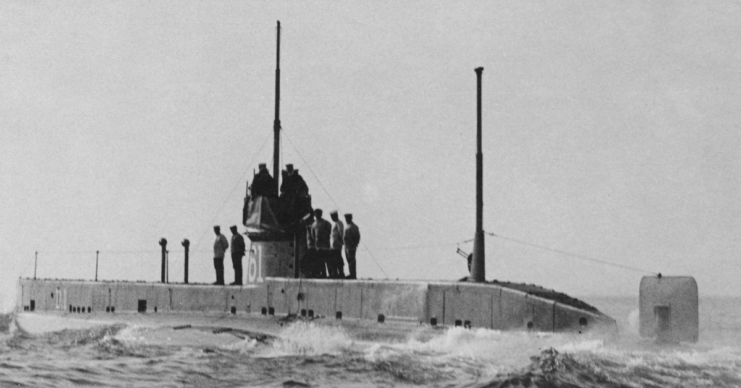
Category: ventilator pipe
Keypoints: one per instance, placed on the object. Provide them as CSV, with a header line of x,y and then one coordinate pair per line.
x,y
478,271
163,244
186,244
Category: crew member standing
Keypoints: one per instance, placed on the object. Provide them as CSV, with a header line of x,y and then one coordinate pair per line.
x,y
287,188
320,232
220,246
263,183
237,254
351,239
338,232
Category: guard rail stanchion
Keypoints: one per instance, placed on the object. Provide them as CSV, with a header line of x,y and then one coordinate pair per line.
x,y
186,244
163,244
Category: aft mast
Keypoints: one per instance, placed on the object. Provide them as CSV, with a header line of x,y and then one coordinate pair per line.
x,y
276,123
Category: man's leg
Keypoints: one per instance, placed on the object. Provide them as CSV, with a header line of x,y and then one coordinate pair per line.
x,y
330,263
322,262
350,255
339,265
219,266
327,263
313,264
237,264
305,265
239,274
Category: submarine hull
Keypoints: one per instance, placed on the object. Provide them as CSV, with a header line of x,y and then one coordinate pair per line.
x,y
472,305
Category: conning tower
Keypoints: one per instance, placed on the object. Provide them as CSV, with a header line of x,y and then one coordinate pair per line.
x,y
275,222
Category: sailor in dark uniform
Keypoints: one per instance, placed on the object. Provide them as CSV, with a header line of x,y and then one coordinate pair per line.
x,y
351,239
238,249
294,196
299,184
293,184
286,186
263,183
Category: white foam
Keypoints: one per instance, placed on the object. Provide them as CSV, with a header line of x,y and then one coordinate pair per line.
x,y
502,348
131,334
244,346
301,338
581,346
478,352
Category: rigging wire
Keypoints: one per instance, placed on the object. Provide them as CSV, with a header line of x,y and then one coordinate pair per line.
x,y
310,170
410,247
119,252
234,189
332,199
573,255
92,251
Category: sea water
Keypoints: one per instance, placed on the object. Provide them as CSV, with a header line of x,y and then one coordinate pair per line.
x,y
314,355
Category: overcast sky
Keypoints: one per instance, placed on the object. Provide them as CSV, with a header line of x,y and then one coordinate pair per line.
x,y
611,130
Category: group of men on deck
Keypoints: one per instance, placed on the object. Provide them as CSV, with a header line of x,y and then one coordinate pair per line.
x,y
238,250
324,241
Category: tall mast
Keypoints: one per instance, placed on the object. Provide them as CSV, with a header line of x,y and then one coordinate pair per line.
x,y
478,272
276,123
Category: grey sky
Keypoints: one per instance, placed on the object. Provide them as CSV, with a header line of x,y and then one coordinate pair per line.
x,y
611,130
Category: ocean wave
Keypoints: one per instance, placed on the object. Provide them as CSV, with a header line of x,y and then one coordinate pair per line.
x,y
595,365
460,355
491,358
321,354
63,339
6,323
100,342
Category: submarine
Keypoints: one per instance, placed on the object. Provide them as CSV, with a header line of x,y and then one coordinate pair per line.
x,y
278,285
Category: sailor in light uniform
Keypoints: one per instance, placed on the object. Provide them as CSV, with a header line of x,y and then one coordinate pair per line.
x,y
320,232
220,246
